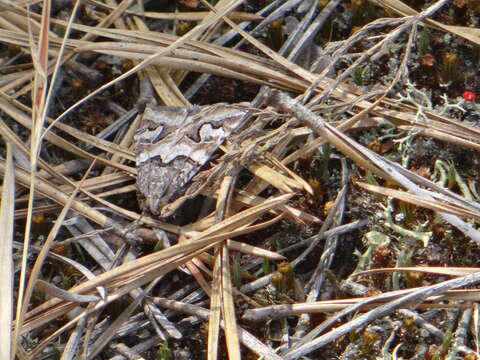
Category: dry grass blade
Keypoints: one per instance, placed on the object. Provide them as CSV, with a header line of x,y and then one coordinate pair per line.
x,y
128,277
6,257
156,56
40,62
451,271
17,112
194,266
254,250
276,179
437,126
414,297
453,134
140,271
102,340
421,201
161,79
171,69
228,307
54,291
221,302
233,222
71,348
397,6
197,62
245,337
54,193
215,309
35,272
476,324
365,157
305,186
367,303
244,198
243,230
197,16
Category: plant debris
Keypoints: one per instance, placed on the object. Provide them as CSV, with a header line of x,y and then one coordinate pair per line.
x,y
335,219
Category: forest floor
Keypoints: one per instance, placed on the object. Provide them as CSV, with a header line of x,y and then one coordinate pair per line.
x,y
278,179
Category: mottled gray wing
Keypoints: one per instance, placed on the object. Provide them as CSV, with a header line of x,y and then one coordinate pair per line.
x,y
173,144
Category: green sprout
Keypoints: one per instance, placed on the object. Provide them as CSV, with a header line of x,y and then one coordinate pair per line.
x,y
423,43
358,75
163,352
266,268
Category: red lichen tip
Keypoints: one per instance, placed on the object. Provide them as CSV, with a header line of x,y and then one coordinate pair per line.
x,y
469,96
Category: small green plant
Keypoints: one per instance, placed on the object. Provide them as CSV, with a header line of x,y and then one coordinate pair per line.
x,y
370,178
163,352
267,269
67,281
423,42
357,75
279,243
57,348
448,341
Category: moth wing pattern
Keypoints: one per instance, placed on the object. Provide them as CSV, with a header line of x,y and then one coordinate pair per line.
x,y
173,144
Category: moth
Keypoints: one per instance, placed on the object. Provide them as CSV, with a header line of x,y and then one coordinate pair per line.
x,y
173,144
